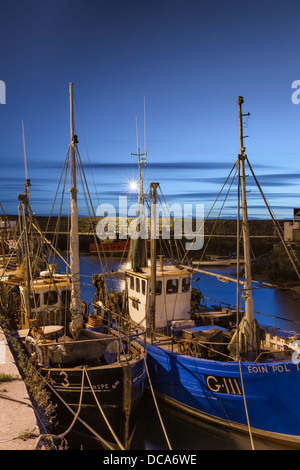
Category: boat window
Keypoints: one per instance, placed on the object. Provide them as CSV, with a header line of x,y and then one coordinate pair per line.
x,y
34,300
143,286
66,297
50,298
137,284
158,288
172,286
135,303
131,282
186,284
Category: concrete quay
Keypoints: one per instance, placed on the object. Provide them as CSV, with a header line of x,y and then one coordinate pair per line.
x,y
19,429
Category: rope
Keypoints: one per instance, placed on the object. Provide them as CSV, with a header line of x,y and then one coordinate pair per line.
x,y
103,415
209,211
86,149
216,221
157,409
101,439
276,223
246,409
22,402
61,436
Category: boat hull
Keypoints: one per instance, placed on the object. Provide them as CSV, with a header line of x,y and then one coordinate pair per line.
x,y
214,391
119,389
114,248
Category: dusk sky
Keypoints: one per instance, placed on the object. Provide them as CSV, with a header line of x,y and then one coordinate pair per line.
x,y
190,59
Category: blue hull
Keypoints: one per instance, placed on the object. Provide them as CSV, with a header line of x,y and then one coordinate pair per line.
x,y
213,390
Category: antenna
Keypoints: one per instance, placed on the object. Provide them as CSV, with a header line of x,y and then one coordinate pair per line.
x,y
24,150
145,150
137,135
141,161
27,184
240,101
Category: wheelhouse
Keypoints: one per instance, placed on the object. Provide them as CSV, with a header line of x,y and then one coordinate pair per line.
x,y
172,297
49,300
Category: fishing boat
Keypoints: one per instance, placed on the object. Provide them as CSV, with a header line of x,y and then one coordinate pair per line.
x,y
116,248
213,261
95,371
217,363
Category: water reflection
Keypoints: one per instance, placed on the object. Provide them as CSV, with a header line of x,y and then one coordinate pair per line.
x,y
184,432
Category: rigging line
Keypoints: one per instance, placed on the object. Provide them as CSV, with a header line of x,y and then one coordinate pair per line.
x,y
11,255
58,221
49,243
82,176
87,201
220,211
279,231
169,248
39,251
210,209
85,189
86,148
102,412
53,204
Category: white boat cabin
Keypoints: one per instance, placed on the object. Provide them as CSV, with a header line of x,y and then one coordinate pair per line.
x,y
49,297
173,295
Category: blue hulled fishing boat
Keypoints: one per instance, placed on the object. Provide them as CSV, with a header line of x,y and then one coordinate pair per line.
x,y
219,364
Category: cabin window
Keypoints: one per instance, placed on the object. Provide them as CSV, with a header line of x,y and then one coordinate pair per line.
x,y
137,284
131,282
186,282
158,287
172,286
135,303
34,300
143,286
50,298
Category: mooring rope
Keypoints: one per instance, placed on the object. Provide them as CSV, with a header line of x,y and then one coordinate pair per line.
x,y
62,435
23,402
246,409
100,438
156,406
102,412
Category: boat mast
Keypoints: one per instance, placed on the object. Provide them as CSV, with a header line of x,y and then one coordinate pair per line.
x,y
142,243
75,307
247,291
153,200
23,198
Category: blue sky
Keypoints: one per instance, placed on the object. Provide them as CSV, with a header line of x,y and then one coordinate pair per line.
x,y
189,59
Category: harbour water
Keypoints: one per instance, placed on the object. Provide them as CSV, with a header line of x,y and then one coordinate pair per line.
x,y
185,433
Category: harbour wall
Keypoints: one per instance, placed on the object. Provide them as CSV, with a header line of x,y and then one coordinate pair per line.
x,y
219,235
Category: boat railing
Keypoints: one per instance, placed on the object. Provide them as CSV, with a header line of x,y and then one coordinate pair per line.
x,y
275,352
113,318
133,340
195,348
274,317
